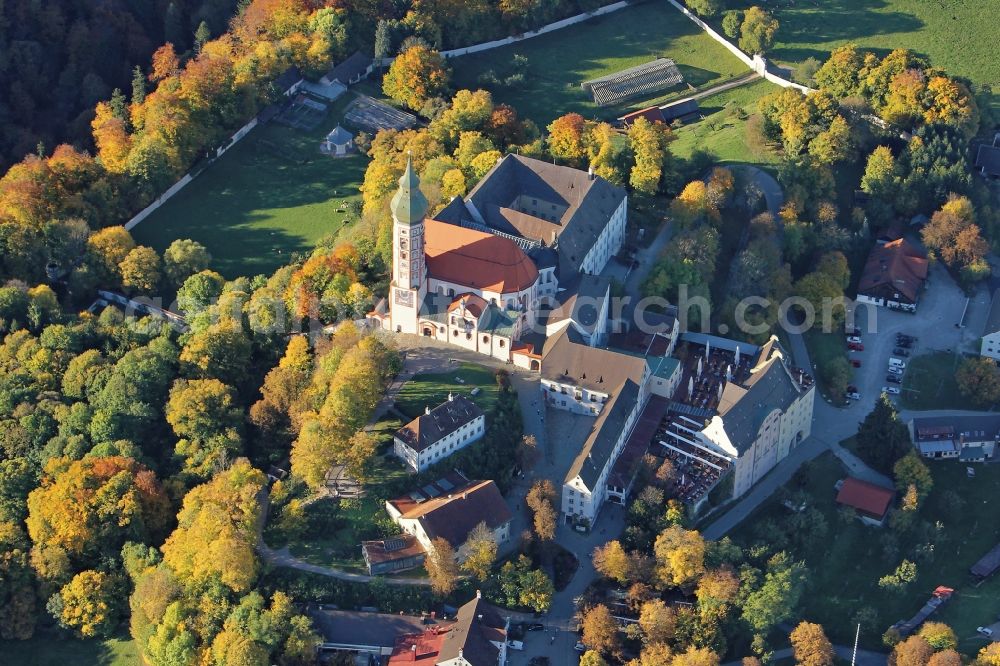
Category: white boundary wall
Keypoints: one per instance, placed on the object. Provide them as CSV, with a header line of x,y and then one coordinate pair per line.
x,y
506,41
160,200
756,63
187,178
180,184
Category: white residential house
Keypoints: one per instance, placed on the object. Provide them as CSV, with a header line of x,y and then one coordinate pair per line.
x,y
990,345
451,511
439,432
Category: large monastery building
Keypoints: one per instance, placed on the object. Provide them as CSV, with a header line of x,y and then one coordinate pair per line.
x,y
512,271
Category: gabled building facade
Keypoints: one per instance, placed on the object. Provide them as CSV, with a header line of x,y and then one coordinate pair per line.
x,y
452,514
758,422
893,276
439,432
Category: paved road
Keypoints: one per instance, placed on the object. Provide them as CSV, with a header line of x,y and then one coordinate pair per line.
x,y
735,83
845,652
774,196
282,558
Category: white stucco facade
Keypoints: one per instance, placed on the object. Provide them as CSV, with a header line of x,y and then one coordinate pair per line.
x,y
418,461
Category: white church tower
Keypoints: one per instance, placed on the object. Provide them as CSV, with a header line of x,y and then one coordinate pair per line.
x,y
409,274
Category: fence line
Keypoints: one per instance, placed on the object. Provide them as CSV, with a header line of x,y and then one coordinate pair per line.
x,y
189,176
160,200
756,63
507,41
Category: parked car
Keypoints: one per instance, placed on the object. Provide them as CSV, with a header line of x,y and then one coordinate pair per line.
x,y
895,371
852,331
476,391
855,346
851,388
894,379
856,362
854,338
897,363
852,395
580,647
985,631
892,390
899,351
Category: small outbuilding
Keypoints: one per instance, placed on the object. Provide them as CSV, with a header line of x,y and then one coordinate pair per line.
x,y
338,142
988,158
870,501
987,565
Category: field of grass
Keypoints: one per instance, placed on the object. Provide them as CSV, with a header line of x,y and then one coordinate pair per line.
x,y
846,563
46,651
432,389
722,132
951,34
560,61
929,383
271,195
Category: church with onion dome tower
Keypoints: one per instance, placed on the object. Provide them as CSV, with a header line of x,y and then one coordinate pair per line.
x,y
479,273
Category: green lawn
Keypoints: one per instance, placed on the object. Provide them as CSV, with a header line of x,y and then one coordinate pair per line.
x,y
722,132
336,528
560,61
257,205
952,33
824,348
46,651
430,390
846,563
929,383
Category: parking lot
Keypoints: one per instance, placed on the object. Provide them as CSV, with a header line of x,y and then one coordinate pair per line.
x,y
937,325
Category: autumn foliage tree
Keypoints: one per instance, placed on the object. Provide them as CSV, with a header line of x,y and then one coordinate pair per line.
x,y
90,603
978,380
204,415
653,164
757,31
914,651
481,552
600,631
567,138
416,75
811,646
611,561
442,569
85,510
541,500
953,234
217,530
680,556
348,385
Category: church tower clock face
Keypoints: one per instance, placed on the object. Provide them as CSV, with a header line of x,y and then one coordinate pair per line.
x,y
403,298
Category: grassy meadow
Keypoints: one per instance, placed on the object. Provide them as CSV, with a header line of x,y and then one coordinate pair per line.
x,y
271,195
560,61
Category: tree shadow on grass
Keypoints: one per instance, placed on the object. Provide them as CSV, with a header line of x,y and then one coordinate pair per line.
x,y
836,21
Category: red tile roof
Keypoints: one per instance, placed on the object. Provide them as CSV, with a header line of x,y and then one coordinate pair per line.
x,y
475,305
419,649
897,265
867,498
476,259
652,113
453,516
